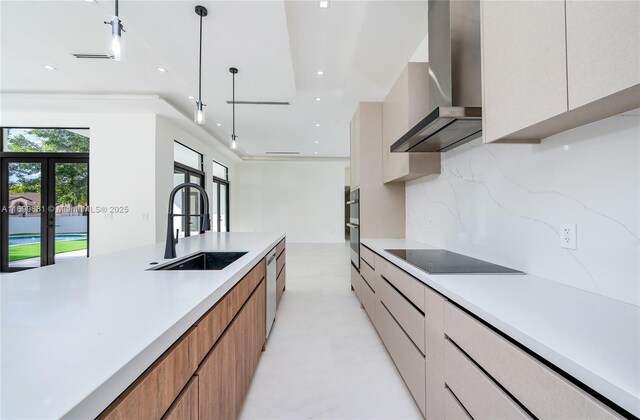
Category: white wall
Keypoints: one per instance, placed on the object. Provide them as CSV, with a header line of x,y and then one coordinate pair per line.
x,y
505,204
303,199
130,164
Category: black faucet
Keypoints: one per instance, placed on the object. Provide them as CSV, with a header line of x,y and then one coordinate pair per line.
x,y
170,246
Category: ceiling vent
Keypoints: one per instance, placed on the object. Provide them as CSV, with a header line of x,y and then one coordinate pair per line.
x,y
259,103
99,56
281,153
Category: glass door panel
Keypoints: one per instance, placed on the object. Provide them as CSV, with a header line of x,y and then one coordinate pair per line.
x,y
70,219
215,217
224,222
195,205
179,204
24,208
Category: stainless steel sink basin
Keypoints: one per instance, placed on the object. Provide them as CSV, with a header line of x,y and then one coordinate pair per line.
x,y
202,261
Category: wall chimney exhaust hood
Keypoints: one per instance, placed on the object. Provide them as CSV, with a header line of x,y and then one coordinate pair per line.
x,y
455,96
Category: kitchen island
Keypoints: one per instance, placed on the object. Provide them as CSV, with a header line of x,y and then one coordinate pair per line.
x,y
75,335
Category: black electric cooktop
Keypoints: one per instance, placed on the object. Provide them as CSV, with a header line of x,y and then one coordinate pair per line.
x,y
439,261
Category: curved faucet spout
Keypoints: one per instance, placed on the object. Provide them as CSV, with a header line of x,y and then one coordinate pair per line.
x,y
170,246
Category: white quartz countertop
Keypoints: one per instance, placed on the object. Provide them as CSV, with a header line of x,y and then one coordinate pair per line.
x,y
592,338
74,335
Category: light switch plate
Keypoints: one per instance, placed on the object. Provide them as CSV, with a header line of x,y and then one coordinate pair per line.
x,y
568,236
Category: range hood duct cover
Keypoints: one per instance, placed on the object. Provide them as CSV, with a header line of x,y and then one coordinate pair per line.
x,y
455,95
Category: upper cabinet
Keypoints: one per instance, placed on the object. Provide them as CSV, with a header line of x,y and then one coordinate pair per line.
x,y
405,105
523,65
549,66
603,49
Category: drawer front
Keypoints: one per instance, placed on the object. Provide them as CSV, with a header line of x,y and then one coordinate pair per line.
x,y
368,299
280,284
368,256
434,349
185,406
280,247
214,322
356,283
409,318
411,288
369,276
407,358
480,396
280,262
154,392
453,410
545,393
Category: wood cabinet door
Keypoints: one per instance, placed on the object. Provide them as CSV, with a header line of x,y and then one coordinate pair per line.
x,y
523,64
603,55
185,407
225,374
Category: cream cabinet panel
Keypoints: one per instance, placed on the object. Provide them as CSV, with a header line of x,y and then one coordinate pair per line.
x,y
523,65
603,48
434,346
355,152
453,410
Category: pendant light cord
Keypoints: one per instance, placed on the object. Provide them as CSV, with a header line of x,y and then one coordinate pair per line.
x,y
200,67
116,7
233,94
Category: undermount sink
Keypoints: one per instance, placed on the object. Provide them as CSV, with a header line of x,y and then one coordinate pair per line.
x,y
203,261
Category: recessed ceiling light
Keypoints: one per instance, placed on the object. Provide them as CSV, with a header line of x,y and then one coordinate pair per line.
x,y
191,97
318,99
315,153
320,73
48,67
316,141
317,125
90,1
324,4
219,124
162,70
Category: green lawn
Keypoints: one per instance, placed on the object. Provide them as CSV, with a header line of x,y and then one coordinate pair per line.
x,y
21,252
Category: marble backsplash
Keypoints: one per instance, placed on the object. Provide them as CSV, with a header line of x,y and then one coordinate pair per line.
x,y
506,203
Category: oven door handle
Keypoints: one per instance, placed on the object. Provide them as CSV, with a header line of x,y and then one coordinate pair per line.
x,y
353,226
352,202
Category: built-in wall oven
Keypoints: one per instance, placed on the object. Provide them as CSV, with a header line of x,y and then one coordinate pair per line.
x,y
354,226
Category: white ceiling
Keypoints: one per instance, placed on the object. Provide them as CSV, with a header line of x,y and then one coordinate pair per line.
x,y
278,47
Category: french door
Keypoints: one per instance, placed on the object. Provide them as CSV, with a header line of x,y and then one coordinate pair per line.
x,y
44,202
220,210
187,201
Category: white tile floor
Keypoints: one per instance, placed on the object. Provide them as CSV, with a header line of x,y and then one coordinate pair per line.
x,y
324,359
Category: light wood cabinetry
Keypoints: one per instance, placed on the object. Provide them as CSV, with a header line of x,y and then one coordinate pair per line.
x,y
542,391
214,322
185,406
382,212
404,106
549,66
225,374
455,366
281,271
603,51
523,65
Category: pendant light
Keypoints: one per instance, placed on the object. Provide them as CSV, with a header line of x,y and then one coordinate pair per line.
x,y
234,141
115,42
198,115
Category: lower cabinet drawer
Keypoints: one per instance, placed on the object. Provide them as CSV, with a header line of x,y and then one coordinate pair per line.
x,y
406,356
479,395
185,407
453,410
367,255
154,392
369,276
545,393
356,283
409,318
410,287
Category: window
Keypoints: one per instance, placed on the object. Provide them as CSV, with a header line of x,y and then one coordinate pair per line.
x,y
187,156
187,168
45,140
220,210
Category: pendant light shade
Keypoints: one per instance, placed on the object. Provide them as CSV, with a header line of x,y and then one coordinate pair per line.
x,y
198,115
115,41
234,138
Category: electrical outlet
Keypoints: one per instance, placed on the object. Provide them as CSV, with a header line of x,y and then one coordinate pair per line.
x,y
429,223
568,236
